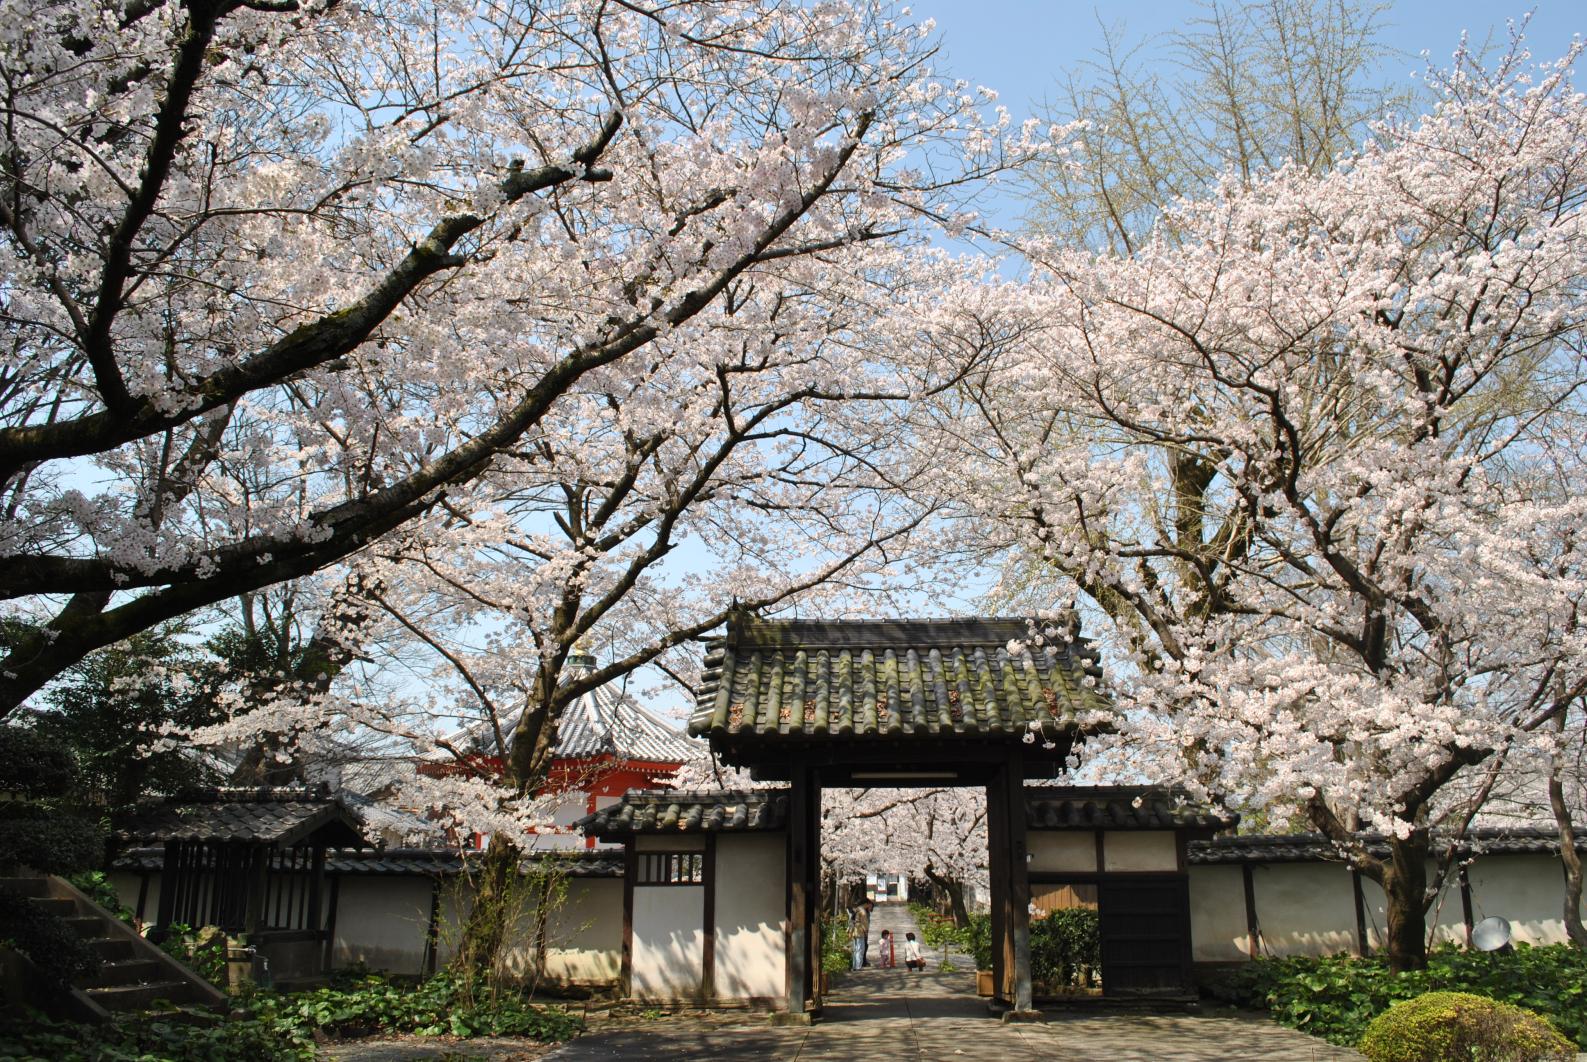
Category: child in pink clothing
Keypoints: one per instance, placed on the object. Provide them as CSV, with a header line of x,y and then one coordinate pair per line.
x,y
885,958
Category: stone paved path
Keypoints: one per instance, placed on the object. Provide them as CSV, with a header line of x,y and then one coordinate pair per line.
x,y
876,1015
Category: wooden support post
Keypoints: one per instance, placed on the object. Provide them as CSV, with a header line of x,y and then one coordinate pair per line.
x,y
330,925
170,875
800,792
997,871
1018,946
630,874
432,928
1363,947
1253,927
1465,903
708,960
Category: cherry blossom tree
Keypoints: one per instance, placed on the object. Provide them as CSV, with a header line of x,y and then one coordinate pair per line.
x,y
1313,467
284,276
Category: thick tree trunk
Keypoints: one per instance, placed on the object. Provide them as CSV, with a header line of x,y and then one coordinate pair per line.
x,y
492,912
1569,856
953,889
1405,887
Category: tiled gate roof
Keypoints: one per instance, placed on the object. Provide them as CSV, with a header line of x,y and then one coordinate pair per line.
x,y
682,811
894,678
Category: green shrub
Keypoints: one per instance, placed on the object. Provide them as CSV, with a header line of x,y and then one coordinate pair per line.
x,y
1064,945
95,884
1460,1027
47,839
34,766
835,947
202,950
1335,998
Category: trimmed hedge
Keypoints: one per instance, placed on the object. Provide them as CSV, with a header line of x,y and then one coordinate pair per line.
x,y
1336,998
1461,1027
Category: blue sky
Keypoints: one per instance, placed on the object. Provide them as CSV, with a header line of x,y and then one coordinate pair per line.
x,y
1022,48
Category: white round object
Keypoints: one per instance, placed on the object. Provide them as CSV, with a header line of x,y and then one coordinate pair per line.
x,y
1490,934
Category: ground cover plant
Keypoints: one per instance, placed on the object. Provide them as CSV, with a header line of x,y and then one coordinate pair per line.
x,y
1337,998
272,1027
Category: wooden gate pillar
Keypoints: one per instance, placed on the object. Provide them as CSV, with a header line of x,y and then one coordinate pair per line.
x,y
804,824
997,866
1017,955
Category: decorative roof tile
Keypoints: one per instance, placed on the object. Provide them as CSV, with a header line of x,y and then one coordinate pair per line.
x,y
683,811
1117,808
1314,847
433,862
281,816
844,679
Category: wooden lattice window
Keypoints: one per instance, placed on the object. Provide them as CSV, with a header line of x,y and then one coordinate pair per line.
x,y
671,868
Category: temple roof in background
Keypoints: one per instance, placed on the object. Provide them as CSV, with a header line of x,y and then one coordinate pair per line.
x,y
603,722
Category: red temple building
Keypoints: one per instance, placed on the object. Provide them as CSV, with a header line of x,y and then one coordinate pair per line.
x,y
606,745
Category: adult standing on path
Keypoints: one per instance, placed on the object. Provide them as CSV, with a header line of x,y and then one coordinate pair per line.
x,y
860,931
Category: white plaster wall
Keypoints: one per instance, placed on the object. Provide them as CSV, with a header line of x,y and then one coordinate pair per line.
x,y
381,922
1529,890
750,940
1057,850
669,941
1217,914
126,884
1303,908
1137,851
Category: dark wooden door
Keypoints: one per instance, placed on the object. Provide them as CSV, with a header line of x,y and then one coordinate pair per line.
x,y
1145,935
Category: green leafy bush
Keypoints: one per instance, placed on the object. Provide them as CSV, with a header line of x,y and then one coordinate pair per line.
x,y
202,950
1460,1027
59,954
835,948
95,884
1336,998
48,839
1065,946
34,766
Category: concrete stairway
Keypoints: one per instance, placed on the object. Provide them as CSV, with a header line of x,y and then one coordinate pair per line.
x,y
135,974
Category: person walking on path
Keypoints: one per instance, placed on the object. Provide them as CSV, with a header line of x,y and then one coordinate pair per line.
x,y
860,932
884,951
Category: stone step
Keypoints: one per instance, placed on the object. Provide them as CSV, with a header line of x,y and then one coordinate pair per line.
x,y
139,996
25,886
126,972
111,949
89,927
64,906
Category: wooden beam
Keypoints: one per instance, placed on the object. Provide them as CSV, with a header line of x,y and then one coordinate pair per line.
x,y
630,873
432,928
1465,903
997,872
708,960
330,924
1253,928
1018,954
1363,947
797,964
